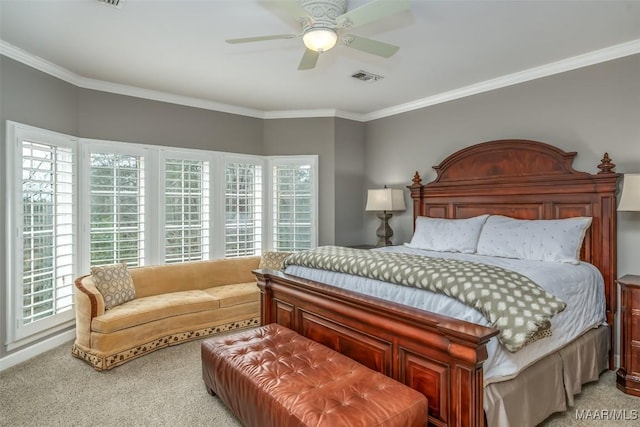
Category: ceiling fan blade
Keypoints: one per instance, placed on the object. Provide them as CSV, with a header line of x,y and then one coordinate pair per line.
x,y
370,46
262,38
372,11
309,60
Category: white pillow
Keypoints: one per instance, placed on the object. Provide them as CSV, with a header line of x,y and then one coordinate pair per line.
x,y
447,235
557,240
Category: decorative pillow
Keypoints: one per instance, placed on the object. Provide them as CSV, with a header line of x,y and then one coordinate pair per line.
x,y
114,283
273,260
447,235
557,240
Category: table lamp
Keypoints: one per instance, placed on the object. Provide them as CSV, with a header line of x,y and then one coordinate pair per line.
x,y
384,201
630,197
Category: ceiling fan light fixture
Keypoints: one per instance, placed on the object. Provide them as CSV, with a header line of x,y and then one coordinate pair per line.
x,y
320,39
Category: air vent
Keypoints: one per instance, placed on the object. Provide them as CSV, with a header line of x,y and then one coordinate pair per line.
x,y
115,3
366,76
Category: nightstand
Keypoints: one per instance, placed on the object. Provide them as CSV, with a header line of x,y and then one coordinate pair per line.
x,y
628,376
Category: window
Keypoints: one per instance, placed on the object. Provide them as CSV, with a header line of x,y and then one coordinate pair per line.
x,y
76,203
47,230
243,208
186,203
42,259
293,204
116,208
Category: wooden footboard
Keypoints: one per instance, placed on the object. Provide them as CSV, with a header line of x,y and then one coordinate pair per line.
x,y
439,356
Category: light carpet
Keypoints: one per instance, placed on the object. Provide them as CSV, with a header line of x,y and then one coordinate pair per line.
x,y
165,388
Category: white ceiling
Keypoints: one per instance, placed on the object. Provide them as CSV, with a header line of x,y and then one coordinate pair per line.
x,y
175,50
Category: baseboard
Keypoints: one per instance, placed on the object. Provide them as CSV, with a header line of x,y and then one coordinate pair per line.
x,y
36,349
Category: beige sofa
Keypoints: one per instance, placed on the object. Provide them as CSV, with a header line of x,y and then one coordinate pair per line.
x,y
173,304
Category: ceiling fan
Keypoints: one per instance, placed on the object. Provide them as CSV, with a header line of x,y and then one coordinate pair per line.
x,y
321,21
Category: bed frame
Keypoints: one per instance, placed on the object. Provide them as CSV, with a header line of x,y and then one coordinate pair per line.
x,y
437,355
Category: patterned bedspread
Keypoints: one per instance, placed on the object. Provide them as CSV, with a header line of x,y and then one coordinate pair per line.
x,y
515,305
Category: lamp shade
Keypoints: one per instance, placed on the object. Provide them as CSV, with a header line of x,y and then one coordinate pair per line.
x,y
385,199
320,39
630,198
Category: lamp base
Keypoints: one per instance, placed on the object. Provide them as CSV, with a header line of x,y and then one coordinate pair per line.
x,y
384,232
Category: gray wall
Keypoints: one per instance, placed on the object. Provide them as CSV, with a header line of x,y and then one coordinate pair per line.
x,y
35,98
309,136
108,116
350,192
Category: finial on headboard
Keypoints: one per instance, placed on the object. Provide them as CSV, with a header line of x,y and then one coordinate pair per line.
x,y
416,179
606,166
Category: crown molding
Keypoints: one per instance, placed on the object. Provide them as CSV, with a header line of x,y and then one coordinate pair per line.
x,y
328,112
356,117
38,63
591,58
568,64
170,98
54,70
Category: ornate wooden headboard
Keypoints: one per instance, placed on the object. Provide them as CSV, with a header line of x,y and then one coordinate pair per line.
x,y
528,180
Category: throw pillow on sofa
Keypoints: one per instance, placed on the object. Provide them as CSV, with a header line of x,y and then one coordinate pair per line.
x,y
114,283
273,260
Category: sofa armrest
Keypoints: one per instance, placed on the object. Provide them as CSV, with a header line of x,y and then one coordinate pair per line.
x,y
88,304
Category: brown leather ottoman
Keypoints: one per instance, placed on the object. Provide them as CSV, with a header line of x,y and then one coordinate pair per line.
x,y
272,376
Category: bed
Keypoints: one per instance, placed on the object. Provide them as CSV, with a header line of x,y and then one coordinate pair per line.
x,y
442,356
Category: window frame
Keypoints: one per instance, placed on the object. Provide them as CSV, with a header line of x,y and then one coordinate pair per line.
x,y
18,333
247,159
186,154
302,160
88,147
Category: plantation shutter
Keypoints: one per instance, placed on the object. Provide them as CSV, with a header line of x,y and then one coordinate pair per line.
x,y
293,209
117,209
243,209
186,210
48,236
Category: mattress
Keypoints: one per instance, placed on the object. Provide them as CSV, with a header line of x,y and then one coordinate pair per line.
x,y
580,286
